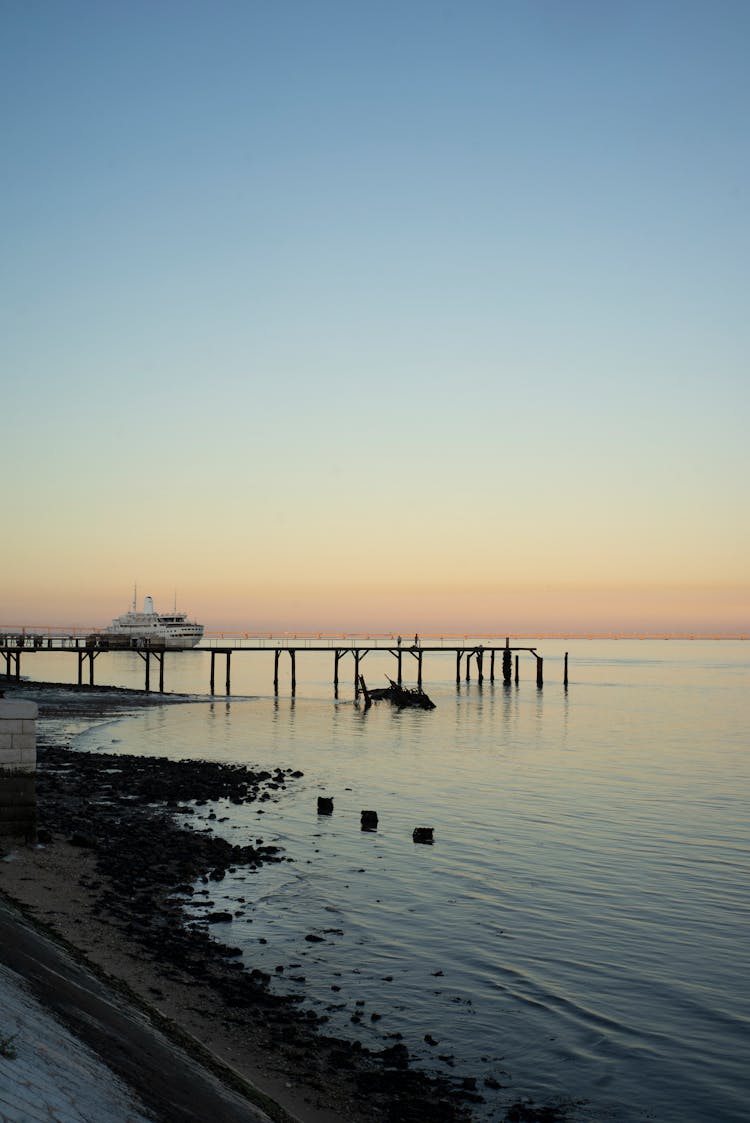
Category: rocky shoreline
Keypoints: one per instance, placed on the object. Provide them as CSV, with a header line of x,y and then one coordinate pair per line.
x,y
118,877
119,818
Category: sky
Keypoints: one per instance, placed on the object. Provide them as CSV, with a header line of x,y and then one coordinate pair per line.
x,y
342,315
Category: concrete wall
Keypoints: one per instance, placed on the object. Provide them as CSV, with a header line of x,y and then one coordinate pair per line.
x,y
18,769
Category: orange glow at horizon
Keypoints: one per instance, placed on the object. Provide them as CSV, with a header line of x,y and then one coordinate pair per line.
x,y
428,610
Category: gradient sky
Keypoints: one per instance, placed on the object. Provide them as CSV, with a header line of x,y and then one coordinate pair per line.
x,y
400,315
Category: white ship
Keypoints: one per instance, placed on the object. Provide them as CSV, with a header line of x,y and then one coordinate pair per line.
x,y
139,629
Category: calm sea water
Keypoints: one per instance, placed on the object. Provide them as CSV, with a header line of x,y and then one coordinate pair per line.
x,y
577,933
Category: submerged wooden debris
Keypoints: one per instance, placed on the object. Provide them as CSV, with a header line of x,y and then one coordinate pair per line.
x,y
399,695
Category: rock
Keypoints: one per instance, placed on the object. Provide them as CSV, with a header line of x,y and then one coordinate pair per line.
x,y
397,1056
369,820
423,834
325,805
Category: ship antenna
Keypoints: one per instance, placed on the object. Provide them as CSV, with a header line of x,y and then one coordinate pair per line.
x,y
135,596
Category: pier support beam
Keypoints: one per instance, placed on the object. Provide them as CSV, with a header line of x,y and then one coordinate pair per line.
x,y
84,654
539,671
418,657
159,657
227,684
565,673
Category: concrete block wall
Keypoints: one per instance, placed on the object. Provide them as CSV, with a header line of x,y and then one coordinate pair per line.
x,y
18,769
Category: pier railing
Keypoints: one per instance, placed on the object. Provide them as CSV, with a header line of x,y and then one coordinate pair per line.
x,y
35,637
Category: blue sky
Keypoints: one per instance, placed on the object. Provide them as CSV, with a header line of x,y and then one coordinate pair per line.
x,y
269,266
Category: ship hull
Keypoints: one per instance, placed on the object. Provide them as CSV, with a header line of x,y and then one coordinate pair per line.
x,y
150,638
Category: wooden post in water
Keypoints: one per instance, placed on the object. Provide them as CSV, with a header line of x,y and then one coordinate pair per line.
x,y
480,659
399,678
276,671
213,663
80,668
492,665
147,657
419,670
539,672
355,652
565,675
458,668
507,664
366,692
228,682
516,670
161,672
293,657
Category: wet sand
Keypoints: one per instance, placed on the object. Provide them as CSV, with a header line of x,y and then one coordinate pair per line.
x,y
114,876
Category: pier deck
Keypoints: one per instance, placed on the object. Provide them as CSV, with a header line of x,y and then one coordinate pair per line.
x,y
479,652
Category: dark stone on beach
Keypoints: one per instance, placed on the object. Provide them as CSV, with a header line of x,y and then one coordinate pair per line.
x,y
396,1056
529,1112
369,820
313,939
220,918
79,839
423,834
430,1039
325,805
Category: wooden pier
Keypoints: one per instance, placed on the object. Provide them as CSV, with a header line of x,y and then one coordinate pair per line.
x,y
482,659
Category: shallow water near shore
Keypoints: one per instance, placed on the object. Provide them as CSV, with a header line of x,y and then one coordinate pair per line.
x,y
577,932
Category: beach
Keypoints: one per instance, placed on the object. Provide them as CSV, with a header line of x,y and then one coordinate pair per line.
x,y
112,877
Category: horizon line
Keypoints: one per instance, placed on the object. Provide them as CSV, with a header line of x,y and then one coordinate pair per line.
x,y
287,633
